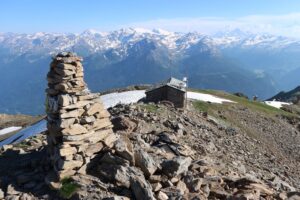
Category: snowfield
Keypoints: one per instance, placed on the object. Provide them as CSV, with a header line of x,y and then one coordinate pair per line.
x,y
112,99
207,97
9,129
276,104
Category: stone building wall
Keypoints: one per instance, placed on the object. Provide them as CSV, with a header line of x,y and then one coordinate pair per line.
x,y
78,124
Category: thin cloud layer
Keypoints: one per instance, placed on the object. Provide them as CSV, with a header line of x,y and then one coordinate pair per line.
x,y
286,25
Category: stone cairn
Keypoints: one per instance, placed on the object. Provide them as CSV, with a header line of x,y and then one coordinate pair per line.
x,y
78,124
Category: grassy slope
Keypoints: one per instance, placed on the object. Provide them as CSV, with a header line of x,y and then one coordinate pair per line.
x,y
252,105
228,110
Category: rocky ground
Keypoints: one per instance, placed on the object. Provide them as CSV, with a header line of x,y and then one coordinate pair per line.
x,y
203,152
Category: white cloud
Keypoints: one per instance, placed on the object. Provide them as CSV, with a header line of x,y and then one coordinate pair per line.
x,y
287,24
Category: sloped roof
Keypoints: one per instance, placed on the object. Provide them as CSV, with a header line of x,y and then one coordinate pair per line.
x,y
171,82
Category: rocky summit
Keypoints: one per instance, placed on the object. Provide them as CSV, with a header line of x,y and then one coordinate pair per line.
x,y
238,150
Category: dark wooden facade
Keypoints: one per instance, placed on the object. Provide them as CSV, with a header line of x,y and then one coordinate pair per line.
x,y
169,93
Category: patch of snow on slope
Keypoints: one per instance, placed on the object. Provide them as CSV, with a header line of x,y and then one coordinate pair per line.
x,y
276,104
206,97
9,130
112,99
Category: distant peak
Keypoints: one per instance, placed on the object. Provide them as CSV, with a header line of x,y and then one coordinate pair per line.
x,y
92,32
161,31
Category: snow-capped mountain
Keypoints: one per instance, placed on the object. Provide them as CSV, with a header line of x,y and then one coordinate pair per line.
x,y
96,41
232,60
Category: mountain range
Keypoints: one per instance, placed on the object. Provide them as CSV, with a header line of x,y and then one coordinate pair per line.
x,y
235,61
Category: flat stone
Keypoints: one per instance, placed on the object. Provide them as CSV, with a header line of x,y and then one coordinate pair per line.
x,y
67,151
155,178
74,129
99,135
145,162
66,123
79,104
66,66
63,87
93,148
80,137
72,164
65,173
110,139
156,186
101,123
64,72
71,114
95,108
89,96
64,100
103,114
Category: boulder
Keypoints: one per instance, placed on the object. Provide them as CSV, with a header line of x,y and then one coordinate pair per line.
x,y
141,188
124,149
117,174
176,166
145,162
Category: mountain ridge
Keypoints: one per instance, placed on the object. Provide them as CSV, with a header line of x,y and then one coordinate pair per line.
x,y
243,63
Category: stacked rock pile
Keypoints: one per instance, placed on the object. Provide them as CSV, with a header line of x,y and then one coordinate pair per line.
x,y
78,124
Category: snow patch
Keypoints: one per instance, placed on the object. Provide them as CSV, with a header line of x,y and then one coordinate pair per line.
x,y
112,99
276,104
9,129
207,97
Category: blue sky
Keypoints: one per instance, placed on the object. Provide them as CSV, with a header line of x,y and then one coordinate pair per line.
x,y
272,16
